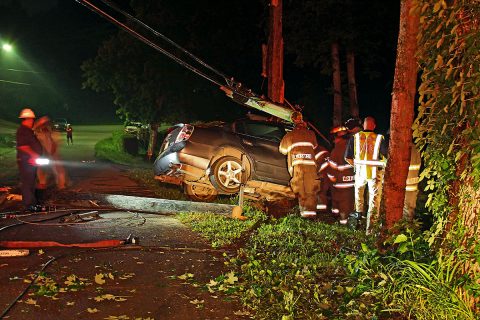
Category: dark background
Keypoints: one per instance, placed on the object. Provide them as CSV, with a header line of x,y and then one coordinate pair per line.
x,y
53,38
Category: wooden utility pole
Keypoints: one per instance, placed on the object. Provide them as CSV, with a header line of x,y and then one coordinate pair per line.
x,y
337,85
352,84
276,85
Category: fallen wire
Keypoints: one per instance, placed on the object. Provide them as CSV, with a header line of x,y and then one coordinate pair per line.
x,y
82,223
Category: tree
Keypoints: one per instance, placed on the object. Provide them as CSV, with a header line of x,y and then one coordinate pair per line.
x,y
149,87
360,28
402,114
275,53
447,130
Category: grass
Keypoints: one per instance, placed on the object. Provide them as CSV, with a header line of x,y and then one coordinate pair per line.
x,y
221,230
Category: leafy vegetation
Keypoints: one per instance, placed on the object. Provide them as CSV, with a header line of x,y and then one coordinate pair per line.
x,y
291,268
221,230
447,129
112,149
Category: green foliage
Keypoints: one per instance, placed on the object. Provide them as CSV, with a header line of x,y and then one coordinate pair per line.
x,y
447,127
427,291
7,140
150,87
111,149
420,286
293,269
221,230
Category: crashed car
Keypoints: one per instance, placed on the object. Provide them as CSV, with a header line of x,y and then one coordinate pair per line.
x,y
207,159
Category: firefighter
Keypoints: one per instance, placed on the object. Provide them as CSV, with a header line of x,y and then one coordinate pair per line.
x,y
29,150
321,158
411,189
367,152
49,141
299,145
353,125
341,176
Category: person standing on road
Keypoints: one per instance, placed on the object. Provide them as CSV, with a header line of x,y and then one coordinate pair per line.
x,y
341,175
367,152
69,134
28,151
45,134
299,145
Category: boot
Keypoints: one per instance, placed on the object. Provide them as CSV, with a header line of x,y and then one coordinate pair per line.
x,y
353,220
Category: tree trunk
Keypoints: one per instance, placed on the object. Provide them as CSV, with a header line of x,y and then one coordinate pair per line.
x,y
337,86
152,141
275,53
352,84
402,114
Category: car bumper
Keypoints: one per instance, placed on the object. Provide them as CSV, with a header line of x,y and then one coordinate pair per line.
x,y
175,161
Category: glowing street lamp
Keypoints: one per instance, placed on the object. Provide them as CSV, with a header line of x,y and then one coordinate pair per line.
x,y
7,47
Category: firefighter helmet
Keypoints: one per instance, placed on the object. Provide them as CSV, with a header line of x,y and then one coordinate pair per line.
x,y
27,114
353,123
296,117
339,130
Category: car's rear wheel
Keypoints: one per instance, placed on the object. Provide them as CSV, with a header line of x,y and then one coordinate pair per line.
x,y
226,174
200,193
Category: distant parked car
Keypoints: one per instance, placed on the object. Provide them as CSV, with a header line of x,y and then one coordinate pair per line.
x,y
134,127
206,159
60,124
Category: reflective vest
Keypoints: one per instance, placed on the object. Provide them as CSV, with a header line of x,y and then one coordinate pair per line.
x,y
299,144
367,154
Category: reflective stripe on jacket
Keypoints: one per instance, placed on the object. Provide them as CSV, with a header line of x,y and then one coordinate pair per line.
x,y
367,153
340,172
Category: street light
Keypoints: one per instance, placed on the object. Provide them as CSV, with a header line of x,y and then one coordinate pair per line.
x,y
7,47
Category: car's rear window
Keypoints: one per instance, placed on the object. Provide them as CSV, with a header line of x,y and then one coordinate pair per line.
x,y
261,130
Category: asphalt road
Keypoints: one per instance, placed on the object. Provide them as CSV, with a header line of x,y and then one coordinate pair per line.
x,y
140,282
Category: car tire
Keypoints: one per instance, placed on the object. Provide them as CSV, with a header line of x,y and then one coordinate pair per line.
x,y
200,193
225,174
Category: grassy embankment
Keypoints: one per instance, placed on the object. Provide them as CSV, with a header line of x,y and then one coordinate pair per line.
x,y
8,166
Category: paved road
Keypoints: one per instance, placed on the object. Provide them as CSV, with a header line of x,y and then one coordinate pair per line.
x,y
144,277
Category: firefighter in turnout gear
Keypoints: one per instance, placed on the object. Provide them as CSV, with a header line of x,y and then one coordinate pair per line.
x,y
367,152
299,145
341,175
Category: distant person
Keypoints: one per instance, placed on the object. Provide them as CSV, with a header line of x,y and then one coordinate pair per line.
x,y
29,150
69,134
49,140
367,152
299,145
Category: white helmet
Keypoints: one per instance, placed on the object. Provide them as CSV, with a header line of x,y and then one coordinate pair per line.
x,y
27,114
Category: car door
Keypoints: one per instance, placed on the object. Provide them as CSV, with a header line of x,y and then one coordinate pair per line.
x,y
261,141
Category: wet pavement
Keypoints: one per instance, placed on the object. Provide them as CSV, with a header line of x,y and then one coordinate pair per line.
x,y
138,281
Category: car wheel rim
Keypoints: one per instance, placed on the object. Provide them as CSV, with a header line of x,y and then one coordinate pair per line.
x,y
229,174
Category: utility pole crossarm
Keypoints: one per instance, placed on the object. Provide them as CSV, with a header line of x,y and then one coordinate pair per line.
x,y
250,100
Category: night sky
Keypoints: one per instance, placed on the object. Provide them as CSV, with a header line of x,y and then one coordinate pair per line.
x,y
53,38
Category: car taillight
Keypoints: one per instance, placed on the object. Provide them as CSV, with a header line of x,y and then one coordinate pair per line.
x,y
185,133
